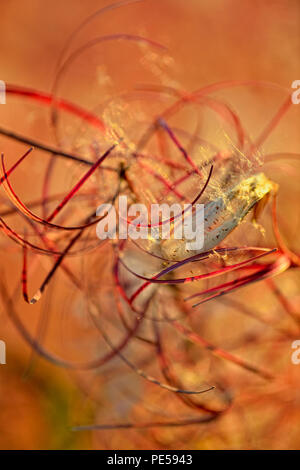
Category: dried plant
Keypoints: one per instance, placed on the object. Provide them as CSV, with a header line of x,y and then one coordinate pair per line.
x,y
167,339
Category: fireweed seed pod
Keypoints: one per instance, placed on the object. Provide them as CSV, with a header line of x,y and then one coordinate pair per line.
x,y
221,217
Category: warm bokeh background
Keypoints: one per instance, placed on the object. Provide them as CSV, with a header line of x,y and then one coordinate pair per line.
x,y
208,41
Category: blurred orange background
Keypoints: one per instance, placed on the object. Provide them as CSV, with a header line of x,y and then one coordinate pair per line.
x,y
208,41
